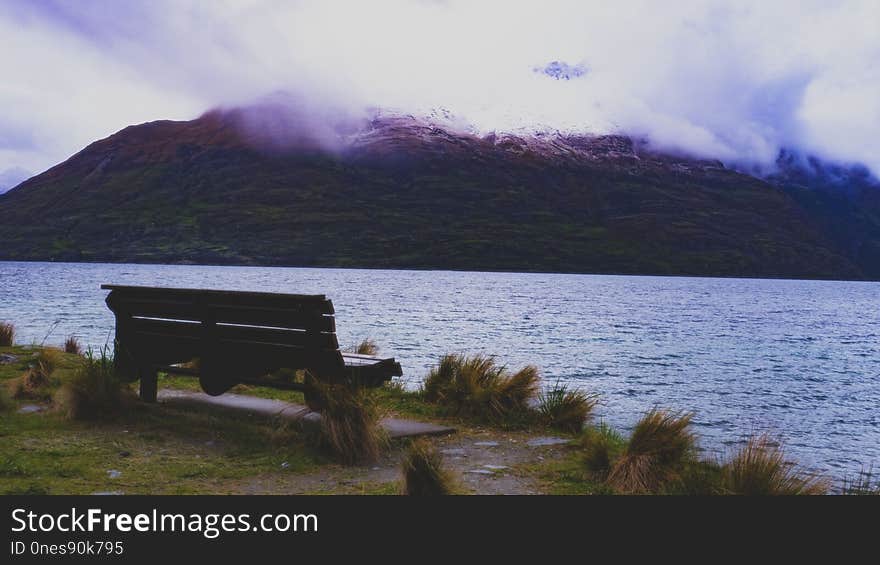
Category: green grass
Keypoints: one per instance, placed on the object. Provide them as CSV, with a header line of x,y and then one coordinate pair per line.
x,y
157,449
182,382
27,356
698,478
7,404
600,448
566,476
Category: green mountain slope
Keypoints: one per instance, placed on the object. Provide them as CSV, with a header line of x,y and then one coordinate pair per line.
x,y
406,194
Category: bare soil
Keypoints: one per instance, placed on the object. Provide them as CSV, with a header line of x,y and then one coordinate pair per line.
x,y
485,462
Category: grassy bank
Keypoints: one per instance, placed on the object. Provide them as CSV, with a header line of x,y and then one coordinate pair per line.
x,y
499,414
147,449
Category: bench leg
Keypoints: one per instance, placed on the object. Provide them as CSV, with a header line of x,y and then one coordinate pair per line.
x,y
149,384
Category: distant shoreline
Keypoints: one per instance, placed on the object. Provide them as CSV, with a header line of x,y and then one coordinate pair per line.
x,y
439,270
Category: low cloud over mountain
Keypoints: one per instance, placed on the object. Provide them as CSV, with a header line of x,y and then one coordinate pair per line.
x,y
715,79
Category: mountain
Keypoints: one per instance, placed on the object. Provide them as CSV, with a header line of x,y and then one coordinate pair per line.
x,y
238,186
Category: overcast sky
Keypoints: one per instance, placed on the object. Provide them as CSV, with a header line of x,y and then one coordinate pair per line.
x,y
732,80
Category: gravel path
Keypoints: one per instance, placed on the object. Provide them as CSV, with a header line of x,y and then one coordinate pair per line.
x,y
488,462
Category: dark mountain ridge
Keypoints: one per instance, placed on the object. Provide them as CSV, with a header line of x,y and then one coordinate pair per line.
x,y
239,187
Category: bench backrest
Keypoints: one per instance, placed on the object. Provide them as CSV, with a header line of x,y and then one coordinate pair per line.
x,y
230,330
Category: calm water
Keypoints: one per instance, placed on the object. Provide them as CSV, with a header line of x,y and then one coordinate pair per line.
x,y
797,357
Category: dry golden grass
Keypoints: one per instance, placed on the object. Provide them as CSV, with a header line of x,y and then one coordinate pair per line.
x,y
7,334
659,447
423,471
349,422
34,382
72,345
865,483
477,387
366,347
760,468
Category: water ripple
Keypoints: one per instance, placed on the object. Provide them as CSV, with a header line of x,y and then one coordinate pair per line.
x,y
800,358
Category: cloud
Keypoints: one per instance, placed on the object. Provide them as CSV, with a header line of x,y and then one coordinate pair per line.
x,y
11,177
734,81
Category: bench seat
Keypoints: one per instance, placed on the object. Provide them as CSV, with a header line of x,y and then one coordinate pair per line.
x,y
237,337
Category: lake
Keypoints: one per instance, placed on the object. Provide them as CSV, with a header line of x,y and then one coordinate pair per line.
x,y
800,358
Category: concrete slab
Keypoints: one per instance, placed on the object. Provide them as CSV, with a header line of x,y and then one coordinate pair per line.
x,y
395,427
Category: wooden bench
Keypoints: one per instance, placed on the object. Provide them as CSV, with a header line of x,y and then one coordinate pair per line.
x,y
237,337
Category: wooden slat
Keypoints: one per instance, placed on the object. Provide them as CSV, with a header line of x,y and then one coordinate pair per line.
x,y
223,297
369,364
136,327
307,317
271,317
234,358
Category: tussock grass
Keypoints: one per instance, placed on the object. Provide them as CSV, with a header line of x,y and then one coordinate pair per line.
x,y
7,334
39,376
72,345
658,449
349,422
698,478
761,468
365,347
477,387
600,447
865,483
93,391
47,361
566,410
423,471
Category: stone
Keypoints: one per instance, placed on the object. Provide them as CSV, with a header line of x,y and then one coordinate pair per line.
x,y
251,405
114,474
496,467
543,441
486,443
30,409
6,359
480,472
